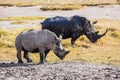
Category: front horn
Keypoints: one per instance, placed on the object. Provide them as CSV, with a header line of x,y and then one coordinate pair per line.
x,y
99,36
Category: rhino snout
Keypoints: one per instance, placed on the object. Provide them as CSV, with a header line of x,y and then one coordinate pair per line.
x,y
61,53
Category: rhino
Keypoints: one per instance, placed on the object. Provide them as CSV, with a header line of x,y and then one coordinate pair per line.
x,y
72,27
41,41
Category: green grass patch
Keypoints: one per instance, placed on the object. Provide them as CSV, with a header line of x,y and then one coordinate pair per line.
x,y
23,18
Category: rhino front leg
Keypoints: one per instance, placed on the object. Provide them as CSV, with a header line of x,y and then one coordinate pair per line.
x,y
19,56
46,52
42,55
74,38
26,56
73,41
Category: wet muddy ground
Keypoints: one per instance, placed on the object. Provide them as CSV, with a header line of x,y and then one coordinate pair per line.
x,y
58,71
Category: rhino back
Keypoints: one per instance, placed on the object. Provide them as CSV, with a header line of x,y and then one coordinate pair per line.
x,y
34,39
59,25
57,22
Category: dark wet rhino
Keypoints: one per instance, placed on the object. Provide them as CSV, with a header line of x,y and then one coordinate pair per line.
x,y
72,27
38,41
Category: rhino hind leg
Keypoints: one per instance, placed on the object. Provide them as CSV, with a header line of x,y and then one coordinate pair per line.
x,y
26,56
19,56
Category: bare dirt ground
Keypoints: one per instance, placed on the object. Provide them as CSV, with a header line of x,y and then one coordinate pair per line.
x,y
59,71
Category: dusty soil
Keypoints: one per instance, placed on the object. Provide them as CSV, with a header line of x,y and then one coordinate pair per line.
x,y
58,71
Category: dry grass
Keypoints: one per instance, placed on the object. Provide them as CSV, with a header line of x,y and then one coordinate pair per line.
x,y
20,3
57,4
61,7
106,50
23,18
19,22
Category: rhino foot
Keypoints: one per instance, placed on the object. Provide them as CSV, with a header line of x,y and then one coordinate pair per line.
x,y
29,60
20,62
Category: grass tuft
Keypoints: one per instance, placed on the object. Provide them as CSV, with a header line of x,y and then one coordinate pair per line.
x,y
6,41
115,35
2,32
112,29
61,7
23,18
19,22
24,3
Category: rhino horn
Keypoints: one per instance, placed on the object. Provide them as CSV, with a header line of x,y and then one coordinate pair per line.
x,y
99,36
66,52
94,22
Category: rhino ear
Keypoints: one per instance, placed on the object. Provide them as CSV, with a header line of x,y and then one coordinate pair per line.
x,y
94,22
97,32
67,52
60,37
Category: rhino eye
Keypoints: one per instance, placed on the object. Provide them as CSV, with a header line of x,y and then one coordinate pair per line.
x,y
88,22
57,43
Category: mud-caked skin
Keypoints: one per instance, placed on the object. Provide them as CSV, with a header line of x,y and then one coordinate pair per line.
x,y
72,27
38,41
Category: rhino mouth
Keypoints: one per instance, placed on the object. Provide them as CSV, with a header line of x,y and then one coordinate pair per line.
x,y
93,37
93,41
61,53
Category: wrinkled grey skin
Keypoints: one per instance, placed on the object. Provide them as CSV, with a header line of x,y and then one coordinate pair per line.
x,y
38,41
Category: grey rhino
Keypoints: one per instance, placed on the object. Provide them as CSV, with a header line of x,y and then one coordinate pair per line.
x,y
38,41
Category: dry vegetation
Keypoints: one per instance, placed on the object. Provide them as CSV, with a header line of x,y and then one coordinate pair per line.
x,y
57,4
23,18
106,50
61,7
25,3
